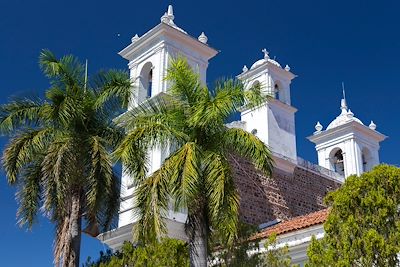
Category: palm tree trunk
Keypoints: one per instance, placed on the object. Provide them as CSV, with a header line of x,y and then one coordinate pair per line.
x,y
198,251
75,231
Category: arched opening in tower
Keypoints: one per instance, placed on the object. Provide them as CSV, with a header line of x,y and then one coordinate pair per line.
x,y
337,162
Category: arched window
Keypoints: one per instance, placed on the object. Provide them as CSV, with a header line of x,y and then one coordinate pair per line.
x,y
336,160
276,91
256,84
366,159
150,84
146,82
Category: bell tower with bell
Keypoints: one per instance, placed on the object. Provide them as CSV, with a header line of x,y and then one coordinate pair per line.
x,y
347,146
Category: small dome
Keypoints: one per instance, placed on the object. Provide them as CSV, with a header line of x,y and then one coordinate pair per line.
x,y
263,61
274,62
345,116
340,120
258,63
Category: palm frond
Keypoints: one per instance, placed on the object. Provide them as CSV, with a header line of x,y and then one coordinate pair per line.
x,y
153,133
222,195
214,109
183,169
159,104
185,83
134,158
21,113
250,147
256,96
112,85
65,72
152,200
102,186
58,168
29,194
22,150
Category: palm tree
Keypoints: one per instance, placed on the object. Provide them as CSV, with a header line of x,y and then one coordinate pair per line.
x,y
59,152
197,175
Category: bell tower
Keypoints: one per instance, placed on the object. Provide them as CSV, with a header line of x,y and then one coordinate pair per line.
x,y
274,121
347,146
149,57
150,54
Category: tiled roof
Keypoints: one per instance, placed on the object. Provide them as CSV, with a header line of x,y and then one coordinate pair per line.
x,y
294,224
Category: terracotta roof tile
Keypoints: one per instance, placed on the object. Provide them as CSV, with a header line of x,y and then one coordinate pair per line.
x,y
294,224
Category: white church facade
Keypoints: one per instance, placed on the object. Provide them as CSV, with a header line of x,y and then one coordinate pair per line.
x,y
294,194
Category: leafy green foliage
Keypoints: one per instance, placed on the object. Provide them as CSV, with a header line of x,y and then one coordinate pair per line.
x,y
245,253
167,252
363,226
59,154
237,254
197,175
276,256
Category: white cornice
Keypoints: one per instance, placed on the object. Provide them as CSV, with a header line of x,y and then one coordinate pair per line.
x,y
346,129
267,65
270,102
116,237
164,29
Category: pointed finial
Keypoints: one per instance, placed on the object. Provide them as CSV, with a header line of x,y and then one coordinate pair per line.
x,y
343,102
266,56
372,125
168,17
135,38
344,92
203,38
318,128
170,11
245,68
287,68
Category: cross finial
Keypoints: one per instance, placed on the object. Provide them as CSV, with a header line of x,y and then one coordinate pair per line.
x,y
266,56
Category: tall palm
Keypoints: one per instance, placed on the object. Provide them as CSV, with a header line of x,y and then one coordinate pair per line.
x,y
197,175
59,152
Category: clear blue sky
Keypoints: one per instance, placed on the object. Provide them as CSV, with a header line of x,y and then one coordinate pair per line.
x,y
324,42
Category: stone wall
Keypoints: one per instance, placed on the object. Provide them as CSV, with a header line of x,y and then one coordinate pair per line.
x,y
283,196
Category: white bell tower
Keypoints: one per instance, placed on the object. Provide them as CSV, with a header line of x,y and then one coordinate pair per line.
x,y
347,146
149,57
150,54
273,122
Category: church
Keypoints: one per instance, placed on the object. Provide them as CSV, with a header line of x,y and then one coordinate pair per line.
x,y
290,203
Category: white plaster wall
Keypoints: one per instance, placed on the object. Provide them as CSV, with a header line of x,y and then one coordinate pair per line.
x,y
282,127
257,119
275,127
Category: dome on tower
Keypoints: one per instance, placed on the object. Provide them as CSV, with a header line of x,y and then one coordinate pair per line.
x,y
263,61
258,63
266,59
344,117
